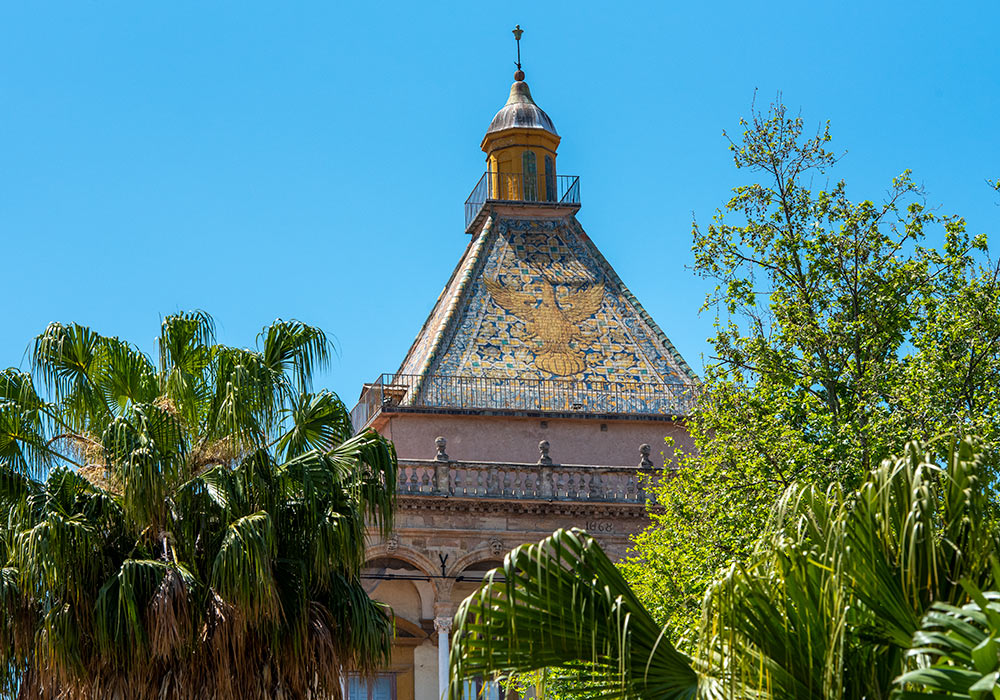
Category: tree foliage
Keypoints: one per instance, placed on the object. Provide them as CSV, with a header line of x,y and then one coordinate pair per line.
x,y
841,598
193,523
839,333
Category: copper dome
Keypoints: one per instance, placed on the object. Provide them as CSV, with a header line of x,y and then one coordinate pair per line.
x,y
521,112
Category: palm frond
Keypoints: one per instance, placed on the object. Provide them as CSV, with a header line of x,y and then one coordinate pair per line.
x,y
66,356
125,376
23,446
562,604
18,388
295,348
957,650
245,400
121,607
318,421
185,354
242,571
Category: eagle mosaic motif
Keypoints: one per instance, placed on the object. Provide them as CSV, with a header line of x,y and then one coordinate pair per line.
x,y
552,320
534,300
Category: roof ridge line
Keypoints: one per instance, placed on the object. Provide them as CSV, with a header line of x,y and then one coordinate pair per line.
x,y
437,304
610,271
464,284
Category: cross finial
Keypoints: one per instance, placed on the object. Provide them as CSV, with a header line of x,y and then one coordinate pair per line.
x,y
517,31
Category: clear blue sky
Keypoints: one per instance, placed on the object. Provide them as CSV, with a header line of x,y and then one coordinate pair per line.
x,y
310,159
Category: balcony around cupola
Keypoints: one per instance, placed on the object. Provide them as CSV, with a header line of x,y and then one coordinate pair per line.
x,y
521,146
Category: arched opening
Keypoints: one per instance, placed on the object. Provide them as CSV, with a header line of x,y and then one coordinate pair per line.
x,y
406,588
529,173
401,585
468,580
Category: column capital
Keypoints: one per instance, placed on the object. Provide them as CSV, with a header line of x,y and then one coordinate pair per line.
x,y
442,624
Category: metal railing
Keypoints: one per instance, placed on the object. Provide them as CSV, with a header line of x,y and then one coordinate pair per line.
x,y
517,187
522,481
412,391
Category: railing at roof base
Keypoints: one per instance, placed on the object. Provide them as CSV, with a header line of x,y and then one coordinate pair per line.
x,y
413,391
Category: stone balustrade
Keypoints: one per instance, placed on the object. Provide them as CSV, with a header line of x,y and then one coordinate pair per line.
x,y
546,482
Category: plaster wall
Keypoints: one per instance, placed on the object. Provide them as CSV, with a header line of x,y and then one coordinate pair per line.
x,y
588,441
425,672
402,596
403,668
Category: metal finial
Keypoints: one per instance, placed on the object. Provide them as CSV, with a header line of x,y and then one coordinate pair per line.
x,y
517,37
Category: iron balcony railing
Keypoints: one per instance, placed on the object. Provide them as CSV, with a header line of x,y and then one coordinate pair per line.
x,y
517,187
412,391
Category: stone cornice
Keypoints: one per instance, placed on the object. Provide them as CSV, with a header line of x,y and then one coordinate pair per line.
x,y
452,504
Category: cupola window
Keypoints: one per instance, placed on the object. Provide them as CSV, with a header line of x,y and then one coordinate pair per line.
x,y
530,174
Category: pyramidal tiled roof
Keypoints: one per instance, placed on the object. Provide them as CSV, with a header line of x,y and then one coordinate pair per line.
x,y
533,298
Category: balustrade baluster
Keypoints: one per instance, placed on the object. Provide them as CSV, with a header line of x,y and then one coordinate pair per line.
x,y
612,487
596,486
546,482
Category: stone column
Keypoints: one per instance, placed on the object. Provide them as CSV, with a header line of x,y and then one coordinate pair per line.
x,y
443,626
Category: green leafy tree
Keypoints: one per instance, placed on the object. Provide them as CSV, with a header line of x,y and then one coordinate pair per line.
x,y
841,598
191,528
838,335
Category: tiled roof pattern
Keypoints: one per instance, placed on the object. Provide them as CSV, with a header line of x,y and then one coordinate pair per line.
x,y
534,298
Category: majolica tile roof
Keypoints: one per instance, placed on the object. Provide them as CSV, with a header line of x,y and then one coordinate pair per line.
x,y
535,299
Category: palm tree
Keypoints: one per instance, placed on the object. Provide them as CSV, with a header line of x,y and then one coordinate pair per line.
x,y
843,595
192,528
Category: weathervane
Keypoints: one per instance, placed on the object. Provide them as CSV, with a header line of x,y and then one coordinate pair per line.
x,y
519,75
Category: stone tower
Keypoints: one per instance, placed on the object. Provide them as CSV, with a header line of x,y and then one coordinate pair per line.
x,y
535,394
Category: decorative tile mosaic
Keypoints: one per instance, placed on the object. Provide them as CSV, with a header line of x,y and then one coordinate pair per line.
x,y
533,299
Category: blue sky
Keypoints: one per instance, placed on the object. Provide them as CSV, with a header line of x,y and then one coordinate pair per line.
x,y
310,159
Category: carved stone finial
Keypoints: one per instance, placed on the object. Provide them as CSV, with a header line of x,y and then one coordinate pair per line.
x,y
441,456
543,448
496,547
644,460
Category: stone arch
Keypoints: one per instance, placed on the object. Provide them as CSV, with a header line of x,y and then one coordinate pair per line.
x,y
474,557
457,589
429,590
407,554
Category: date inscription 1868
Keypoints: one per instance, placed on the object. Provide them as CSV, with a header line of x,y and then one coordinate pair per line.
x,y
600,526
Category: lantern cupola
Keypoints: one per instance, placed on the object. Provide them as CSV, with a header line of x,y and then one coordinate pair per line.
x,y
520,146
